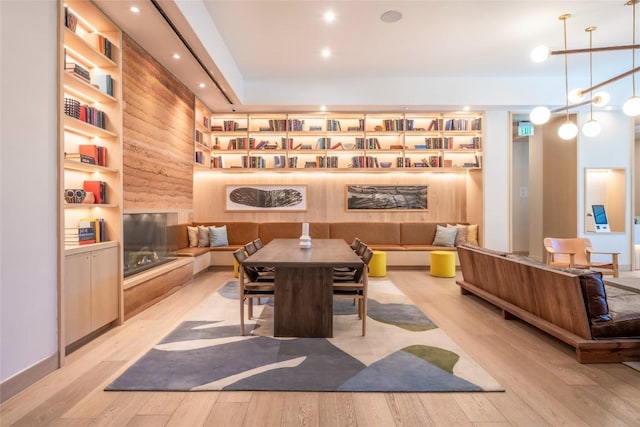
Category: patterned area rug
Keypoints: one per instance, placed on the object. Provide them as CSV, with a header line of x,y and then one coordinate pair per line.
x,y
404,351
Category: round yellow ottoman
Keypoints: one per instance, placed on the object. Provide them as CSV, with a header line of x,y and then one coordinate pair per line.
x,y
236,268
378,264
443,263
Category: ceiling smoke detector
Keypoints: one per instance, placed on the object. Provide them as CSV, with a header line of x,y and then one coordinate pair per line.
x,y
391,16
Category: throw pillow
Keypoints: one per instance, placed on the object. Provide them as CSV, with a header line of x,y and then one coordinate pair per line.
x,y
461,236
203,236
193,236
445,236
218,236
472,234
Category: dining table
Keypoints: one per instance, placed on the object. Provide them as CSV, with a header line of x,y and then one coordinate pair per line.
x,y
303,283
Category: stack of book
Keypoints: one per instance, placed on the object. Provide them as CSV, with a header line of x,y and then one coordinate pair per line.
x,y
89,230
81,158
78,71
92,116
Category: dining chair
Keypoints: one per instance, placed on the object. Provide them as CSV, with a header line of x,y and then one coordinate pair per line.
x,y
339,272
576,253
258,243
250,248
250,287
355,286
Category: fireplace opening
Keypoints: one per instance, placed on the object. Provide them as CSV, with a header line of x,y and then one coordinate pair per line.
x,y
145,242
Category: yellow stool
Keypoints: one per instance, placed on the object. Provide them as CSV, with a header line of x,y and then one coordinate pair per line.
x,y
236,269
443,263
378,264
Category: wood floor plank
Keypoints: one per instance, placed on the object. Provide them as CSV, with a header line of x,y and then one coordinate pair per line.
x,y
444,410
227,414
123,409
300,409
407,410
66,398
371,409
193,410
336,409
162,403
149,421
544,385
265,409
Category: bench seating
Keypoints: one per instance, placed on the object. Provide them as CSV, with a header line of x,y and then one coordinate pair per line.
x,y
601,322
407,244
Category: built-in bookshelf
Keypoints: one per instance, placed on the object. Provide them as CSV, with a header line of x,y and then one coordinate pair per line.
x,y
91,170
390,141
202,136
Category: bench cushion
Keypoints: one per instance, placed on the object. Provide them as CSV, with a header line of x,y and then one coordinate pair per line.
x,y
380,233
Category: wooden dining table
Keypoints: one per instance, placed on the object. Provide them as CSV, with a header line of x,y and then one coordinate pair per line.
x,y
303,302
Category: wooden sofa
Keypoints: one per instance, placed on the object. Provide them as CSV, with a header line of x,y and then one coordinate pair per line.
x,y
406,244
575,306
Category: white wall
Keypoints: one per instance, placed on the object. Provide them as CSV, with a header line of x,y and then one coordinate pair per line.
x,y
28,174
613,148
496,179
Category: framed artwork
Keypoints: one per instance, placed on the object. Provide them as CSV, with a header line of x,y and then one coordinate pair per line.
x,y
266,198
386,197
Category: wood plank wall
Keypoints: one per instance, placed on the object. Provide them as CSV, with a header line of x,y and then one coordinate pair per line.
x,y
447,196
158,133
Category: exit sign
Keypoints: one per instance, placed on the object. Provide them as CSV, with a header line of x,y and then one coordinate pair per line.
x,y
525,129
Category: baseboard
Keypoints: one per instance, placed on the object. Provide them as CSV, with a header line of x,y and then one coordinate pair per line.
x,y
29,376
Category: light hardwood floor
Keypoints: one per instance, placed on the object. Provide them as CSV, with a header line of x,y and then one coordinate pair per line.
x,y
544,384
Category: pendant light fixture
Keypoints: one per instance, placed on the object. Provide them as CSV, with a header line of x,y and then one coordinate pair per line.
x,y
591,127
632,106
568,129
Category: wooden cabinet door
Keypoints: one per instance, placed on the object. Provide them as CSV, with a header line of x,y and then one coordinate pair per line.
x,y
77,296
104,287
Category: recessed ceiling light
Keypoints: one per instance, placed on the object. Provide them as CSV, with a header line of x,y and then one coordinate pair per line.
x,y
391,16
466,108
176,56
326,52
135,9
202,85
329,16
323,108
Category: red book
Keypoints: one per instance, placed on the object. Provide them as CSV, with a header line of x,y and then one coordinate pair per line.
x,y
91,151
97,188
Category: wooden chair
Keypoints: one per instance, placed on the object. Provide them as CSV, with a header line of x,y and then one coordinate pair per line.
x,y
250,286
250,248
258,243
355,286
576,253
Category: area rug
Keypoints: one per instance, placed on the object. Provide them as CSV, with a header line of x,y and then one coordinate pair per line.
x,y
403,351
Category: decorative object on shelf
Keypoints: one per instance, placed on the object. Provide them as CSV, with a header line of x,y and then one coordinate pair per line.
x,y
89,198
266,198
386,197
631,107
74,195
305,239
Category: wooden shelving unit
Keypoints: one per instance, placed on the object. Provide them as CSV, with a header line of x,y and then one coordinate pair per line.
x,y
91,282
429,142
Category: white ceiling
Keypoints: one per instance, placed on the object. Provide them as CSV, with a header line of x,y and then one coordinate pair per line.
x,y
269,51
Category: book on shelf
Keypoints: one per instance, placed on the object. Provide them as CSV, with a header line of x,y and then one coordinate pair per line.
x,y
323,143
336,146
99,190
78,71
333,125
81,158
199,157
286,143
97,153
104,82
217,162
101,44
70,19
